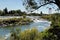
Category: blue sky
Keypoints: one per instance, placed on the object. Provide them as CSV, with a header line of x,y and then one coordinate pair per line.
x,y
17,4
11,4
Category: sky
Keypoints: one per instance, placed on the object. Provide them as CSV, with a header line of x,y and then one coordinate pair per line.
x,y
11,4
17,4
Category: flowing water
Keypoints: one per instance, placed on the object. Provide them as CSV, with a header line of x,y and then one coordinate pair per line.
x,y
41,25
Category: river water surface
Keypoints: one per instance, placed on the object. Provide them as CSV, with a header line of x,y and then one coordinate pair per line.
x,y
41,25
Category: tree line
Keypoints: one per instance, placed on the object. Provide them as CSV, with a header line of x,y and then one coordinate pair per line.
x,y
5,12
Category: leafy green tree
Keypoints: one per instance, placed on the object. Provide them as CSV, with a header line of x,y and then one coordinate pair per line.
x,y
5,11
32,5
18,12
54,30
1,12
41,13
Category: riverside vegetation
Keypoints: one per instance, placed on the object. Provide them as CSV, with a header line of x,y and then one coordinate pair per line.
x,y
53,33
15,21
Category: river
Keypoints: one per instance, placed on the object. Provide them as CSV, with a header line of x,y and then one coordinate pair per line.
x,y
40,24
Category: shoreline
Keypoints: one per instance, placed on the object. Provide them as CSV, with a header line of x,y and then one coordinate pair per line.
x,y
14,21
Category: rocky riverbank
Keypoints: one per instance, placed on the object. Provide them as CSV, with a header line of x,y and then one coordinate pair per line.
x,y
14,21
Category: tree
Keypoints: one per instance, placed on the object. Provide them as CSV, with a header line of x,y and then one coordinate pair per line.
x,y
32,5
41,13
19,12
1,12
5,11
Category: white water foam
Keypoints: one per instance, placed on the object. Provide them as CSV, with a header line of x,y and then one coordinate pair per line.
x,y
7,35
36,20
